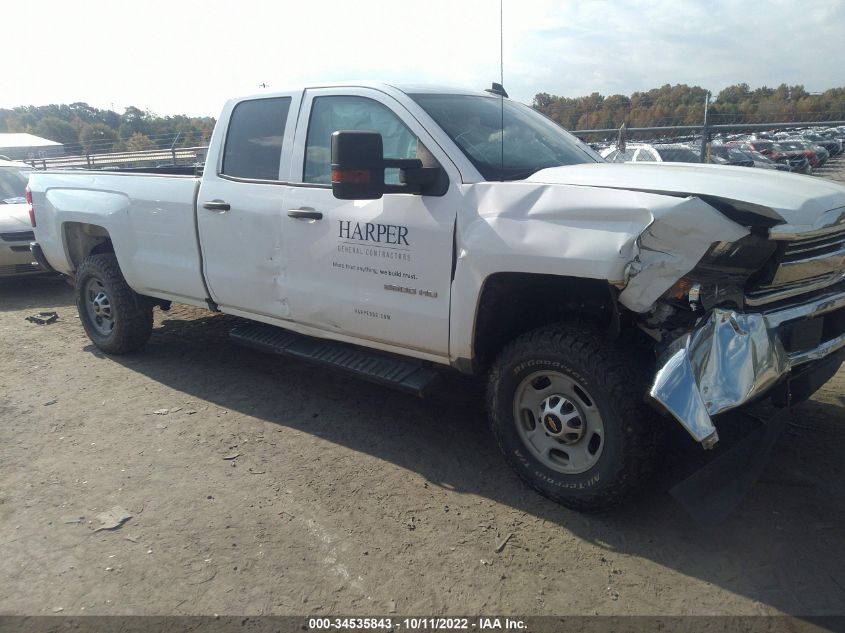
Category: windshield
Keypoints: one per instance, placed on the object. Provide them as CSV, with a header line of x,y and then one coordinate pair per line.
x,y
530,142
12,184
678,155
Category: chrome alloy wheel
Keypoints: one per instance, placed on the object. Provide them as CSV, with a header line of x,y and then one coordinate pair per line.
x,y
558,421
98,307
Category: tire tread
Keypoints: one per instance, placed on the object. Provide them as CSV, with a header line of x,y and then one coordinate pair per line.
x,y
134,313
623,377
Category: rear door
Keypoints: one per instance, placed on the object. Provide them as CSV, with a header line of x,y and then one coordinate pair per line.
x,y
240,210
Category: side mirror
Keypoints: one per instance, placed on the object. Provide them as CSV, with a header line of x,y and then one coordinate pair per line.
x,y
358,166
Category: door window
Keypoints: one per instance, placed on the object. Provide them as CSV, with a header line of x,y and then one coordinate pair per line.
x,y
254,139
645,155
330,114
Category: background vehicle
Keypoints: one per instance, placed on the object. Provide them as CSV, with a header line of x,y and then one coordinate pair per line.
x,y
795,160
15,228
814,154
396,233
821,151
659,153
723,155
763,162
832,145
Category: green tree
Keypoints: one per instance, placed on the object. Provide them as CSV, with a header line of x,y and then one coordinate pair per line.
x,y
97,138
54,129
139,142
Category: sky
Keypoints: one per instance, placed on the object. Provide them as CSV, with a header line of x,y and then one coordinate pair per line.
x,y
189,57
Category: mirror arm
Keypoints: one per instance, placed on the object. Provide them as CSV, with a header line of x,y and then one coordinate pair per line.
x,y
402,163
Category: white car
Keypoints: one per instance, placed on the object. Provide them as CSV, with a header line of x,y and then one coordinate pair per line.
x,y
15,228
645,153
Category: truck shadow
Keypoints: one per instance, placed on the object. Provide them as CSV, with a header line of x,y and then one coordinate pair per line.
x,y
34,291
784,547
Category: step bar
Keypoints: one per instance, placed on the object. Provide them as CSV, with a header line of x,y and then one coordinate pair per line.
x,y
406,375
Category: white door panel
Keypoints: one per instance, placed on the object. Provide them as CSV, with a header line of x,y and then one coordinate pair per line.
x,y
244,259
373,269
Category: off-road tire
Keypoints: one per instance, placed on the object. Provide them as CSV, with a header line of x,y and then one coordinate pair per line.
x,y
133,313
617,380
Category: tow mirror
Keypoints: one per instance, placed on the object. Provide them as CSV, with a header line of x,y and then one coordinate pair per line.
x,y
358,166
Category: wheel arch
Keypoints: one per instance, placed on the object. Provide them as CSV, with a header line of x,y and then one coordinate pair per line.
x,y
82,239
512,303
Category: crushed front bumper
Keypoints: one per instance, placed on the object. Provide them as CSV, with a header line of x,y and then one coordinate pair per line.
x,y
733,358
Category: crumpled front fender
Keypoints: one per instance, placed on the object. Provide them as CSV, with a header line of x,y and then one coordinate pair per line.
x,y
671,247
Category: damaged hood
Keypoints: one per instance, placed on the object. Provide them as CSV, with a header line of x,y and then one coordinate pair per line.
x,y
800,201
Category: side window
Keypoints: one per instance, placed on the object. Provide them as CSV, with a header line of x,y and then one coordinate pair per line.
x,y
645,155
611,158
330,114
254,139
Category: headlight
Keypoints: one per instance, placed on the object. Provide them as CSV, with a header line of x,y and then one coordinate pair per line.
x,y
722,275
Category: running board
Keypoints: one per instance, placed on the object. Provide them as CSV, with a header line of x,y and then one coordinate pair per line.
x,y
399,373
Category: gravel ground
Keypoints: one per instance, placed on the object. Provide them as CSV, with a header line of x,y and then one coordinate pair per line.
x,y
273,487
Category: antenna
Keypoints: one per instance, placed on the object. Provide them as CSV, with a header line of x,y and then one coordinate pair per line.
x,y
498,88
502,80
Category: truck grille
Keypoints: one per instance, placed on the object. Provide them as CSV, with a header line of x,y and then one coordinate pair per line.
x,y
806,265
18,236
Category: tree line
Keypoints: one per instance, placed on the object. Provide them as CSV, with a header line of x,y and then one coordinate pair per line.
x,y
84,129
684,105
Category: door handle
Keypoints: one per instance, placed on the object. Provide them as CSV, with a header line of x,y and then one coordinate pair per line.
x,y
305,213
216,205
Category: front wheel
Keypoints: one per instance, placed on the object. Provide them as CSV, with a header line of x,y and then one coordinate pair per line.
x,y
566,408
115,317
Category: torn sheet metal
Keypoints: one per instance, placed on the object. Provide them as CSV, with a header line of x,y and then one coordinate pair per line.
x,y
730,359
670,247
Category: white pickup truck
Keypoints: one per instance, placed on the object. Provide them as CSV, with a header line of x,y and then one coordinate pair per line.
x,y
396,231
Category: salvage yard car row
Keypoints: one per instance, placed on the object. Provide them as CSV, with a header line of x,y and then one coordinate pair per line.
x,y
799,151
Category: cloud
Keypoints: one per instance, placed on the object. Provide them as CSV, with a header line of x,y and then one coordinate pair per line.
x,y
174,57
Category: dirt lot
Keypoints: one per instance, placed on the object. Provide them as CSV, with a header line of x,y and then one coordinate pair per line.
x,y
271,486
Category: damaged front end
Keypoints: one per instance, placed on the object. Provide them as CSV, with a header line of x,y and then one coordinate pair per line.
x,y
758,310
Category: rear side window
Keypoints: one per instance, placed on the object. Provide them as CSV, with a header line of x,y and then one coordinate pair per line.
x,y
254,140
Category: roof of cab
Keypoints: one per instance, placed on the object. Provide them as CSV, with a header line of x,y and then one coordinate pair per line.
x,y
377,85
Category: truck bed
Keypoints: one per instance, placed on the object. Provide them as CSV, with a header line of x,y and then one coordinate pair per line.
x,y
149,218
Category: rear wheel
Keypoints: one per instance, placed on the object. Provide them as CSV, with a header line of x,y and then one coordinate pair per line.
x,y
115,317
567,410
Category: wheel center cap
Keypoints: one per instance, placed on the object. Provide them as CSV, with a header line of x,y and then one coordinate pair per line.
x,y
562,419
552,423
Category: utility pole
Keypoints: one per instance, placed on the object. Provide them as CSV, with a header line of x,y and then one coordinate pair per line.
x,y
705,131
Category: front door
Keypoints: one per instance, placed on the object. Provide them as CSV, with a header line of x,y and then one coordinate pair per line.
x,y
371,269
